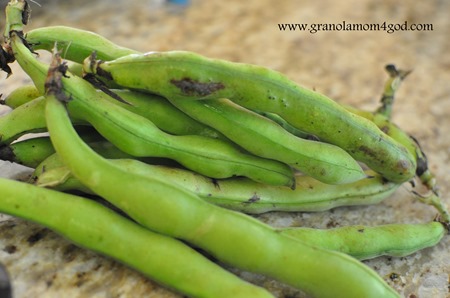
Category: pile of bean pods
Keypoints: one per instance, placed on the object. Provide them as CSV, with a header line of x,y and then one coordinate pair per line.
x,y
185,148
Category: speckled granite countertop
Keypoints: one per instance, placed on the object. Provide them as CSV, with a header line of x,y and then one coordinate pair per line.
x,y
347,66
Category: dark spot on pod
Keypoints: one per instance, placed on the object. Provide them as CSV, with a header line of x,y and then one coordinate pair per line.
x,y
215,183
368,151
253,199
195,88
385,129
403,165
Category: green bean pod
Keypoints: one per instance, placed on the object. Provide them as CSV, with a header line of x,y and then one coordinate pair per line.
x,y
92,226
30,152
21,95
231,237
22,120
186,76
163,114
27,117
75,44
363,242
238,194
263,137
139,137
289,128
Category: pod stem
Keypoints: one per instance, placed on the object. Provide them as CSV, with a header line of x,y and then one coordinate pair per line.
x,y
396,76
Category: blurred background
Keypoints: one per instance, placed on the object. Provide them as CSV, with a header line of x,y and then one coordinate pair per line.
x,y
347,66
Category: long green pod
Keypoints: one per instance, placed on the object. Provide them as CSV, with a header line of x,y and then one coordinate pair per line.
x,y
163,114
289,128
185,76
366,242
263,137
75,44
95,227
229,236
30,152
239,194
139,137
22,120
28,116
21,95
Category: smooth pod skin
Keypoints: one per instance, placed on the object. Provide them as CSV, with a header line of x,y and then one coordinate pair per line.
x,y
30,152
239,194
27,118
20,96
263,137
75,44
139,137
163,114
362,242
20,121
205,226
95,227
185,76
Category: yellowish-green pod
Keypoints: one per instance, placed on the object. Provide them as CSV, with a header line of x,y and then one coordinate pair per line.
x,y
365,242
20,96
30,152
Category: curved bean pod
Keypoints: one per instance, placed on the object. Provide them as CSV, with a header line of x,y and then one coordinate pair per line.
x,y
363,242
22,120
263,137
186,76
240,194
20,96
30,152
139,137
27,117
92,226
163,114
75,44
204,225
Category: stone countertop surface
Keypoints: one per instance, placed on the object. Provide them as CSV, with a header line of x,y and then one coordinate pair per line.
x,y
347,66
